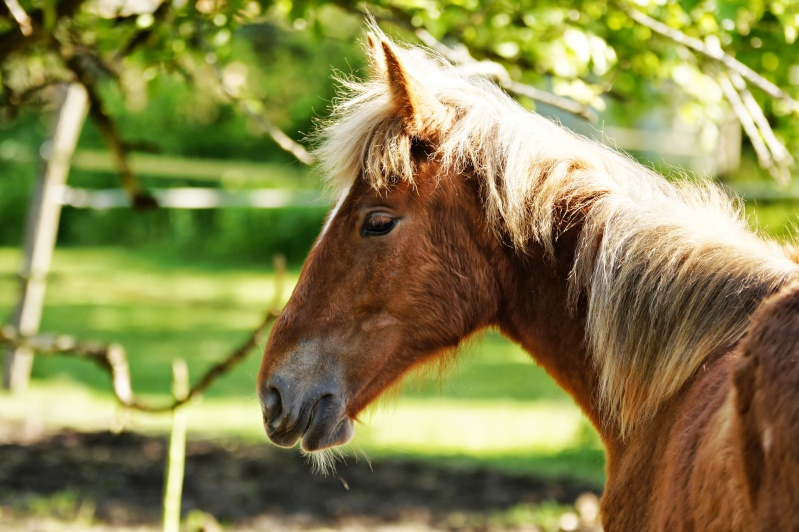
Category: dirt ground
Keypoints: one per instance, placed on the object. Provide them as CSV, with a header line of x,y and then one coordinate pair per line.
x,y
103,481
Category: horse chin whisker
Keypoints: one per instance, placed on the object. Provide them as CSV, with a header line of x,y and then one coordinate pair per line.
x,y
324,462
360,450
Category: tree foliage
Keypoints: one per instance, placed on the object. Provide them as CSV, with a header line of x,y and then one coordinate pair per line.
x,y
618,52
703,58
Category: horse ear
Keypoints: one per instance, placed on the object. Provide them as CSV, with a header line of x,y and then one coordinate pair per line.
x,y
421,111
376,58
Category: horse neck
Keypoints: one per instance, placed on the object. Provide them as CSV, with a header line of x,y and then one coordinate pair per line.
x,y
535,313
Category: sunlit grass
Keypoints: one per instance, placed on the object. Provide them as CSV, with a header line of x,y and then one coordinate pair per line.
x,y
64,510
494,406
491,426
545,438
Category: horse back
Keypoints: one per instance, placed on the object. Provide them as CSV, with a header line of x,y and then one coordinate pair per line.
x,y
767,396
741,458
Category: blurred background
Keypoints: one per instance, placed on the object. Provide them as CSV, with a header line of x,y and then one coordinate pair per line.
x,y
190,172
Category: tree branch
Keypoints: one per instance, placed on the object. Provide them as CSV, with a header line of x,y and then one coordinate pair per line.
x,y
284,141
764,155
22,18
716,54
248,108
138,198
27,95
782,157
141,36
111,357
13,40
461,57
113,360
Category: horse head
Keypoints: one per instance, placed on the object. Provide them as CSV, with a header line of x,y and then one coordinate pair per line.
x,y
400,274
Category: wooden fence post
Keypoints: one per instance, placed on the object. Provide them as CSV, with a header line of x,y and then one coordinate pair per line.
x,y
176,459
42,228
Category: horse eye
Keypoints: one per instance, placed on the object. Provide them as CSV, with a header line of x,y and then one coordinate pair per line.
x,y
377,224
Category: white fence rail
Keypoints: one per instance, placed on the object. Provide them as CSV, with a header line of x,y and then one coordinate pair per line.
x,y
194,198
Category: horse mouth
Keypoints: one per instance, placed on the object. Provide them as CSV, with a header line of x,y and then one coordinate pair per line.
x,y
320,426
286,436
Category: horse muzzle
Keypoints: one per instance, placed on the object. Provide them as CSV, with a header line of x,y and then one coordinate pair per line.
x,y
317,416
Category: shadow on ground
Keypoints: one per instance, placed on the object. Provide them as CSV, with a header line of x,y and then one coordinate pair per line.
x,y
258,486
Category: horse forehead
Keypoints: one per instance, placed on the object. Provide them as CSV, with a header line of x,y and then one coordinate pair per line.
x,y
332,216
363,195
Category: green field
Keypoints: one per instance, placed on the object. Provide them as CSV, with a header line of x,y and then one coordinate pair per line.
x,y
494,407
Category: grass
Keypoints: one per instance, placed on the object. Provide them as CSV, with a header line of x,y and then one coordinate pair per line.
x,y
65,510
495,407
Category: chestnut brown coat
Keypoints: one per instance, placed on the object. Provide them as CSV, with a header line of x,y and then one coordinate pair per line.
x,y
671,324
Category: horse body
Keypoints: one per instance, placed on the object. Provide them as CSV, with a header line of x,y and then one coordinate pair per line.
x,y
459,211
686,469
723,454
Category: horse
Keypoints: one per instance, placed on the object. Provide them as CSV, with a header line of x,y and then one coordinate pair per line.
x,y
669,321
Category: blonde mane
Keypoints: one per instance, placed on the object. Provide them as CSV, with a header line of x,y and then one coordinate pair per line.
x,y
669,272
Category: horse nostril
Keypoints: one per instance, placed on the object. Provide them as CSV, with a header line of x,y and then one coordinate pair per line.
x,y
271,403
272,400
